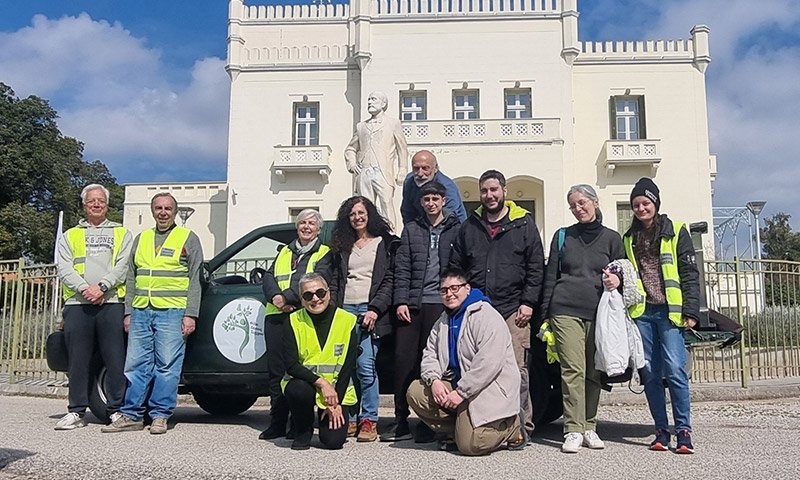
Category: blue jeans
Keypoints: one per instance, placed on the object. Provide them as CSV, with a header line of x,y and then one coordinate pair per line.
x,y
366,380
665,356
155,354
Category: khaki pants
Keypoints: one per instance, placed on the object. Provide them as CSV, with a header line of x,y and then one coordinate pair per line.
x,y
470,440
580,381
521,343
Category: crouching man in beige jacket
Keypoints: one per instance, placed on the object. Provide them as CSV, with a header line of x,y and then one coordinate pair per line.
x,y
469,387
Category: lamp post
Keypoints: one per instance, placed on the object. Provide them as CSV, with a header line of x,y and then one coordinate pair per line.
x,y
755,208
185,213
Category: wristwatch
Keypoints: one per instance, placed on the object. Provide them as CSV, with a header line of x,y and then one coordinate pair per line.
x,y
103,287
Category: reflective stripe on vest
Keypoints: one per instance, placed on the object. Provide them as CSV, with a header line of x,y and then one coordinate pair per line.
x,y
161,280
669,271
325,362
76,237
283,270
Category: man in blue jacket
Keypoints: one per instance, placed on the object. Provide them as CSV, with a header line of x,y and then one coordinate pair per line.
x,y
425,168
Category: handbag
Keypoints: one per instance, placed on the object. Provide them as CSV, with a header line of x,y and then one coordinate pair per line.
x,y
57,358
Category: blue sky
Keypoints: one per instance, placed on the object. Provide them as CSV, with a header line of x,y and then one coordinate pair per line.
x,y
142,82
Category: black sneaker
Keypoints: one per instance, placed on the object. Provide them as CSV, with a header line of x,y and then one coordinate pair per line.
x,y
684,442
661,443
399,431
273,432
424,434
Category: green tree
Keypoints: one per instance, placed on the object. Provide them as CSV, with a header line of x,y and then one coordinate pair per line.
x,y
41,172
780,241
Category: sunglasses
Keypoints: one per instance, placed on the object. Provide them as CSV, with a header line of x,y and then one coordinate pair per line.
x,y
320,293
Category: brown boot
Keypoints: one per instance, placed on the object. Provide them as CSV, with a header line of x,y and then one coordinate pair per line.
x,y
352,429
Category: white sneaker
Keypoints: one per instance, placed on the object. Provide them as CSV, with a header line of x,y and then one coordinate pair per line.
x,y
113,417
591,440
572,442
70,421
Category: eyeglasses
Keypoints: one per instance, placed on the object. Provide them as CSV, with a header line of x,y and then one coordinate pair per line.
x,y
320,293
451,288
579,204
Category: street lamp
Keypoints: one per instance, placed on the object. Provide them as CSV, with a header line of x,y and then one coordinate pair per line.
x,y
755,208
185,213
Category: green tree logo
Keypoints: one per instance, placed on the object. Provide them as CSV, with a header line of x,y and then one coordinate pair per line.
x,y
239,319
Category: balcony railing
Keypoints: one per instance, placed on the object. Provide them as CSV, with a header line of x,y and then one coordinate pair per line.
x,y
312,158
639,153
437,132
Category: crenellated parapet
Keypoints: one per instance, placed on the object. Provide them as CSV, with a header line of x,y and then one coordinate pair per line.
x,y
296,54
694,50
295,12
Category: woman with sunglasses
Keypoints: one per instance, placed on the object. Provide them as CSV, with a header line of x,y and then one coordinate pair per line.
x,y
280,285
362,283
320,349
572,290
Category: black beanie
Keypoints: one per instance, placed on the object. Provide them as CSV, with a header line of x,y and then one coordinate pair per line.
x,y
646,188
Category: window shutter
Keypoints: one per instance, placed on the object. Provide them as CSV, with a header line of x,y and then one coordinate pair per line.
x,y
612,117
642,123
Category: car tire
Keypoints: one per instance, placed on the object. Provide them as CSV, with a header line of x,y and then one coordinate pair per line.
x,y
98,400
223,404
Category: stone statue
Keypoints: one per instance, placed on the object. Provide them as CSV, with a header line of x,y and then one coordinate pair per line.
x,y
378,156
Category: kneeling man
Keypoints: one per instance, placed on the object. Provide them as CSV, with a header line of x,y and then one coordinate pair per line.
x,y
321,347
469,387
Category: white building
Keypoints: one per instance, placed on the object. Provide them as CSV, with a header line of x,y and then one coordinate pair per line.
x,y
501,84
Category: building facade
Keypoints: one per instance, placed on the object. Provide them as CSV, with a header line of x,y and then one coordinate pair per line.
x,y
502,84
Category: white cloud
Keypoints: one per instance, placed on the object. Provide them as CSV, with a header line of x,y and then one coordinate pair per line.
x,y
113,93
753,98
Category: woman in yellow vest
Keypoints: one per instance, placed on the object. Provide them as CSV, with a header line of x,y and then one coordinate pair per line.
x,y
321,346
663,254
280,284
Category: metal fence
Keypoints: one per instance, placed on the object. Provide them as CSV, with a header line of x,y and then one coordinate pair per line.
x,y
763,296
29,311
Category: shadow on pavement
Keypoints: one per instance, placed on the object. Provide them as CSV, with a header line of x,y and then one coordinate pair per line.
x,y
9,455
611,432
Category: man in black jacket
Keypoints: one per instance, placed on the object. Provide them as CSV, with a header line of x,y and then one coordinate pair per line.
x,y
500,250
423,254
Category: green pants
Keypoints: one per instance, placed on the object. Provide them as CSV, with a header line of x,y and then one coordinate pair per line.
x,y
580,381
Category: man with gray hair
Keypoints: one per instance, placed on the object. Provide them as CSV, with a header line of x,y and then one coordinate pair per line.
x,y
92,264
425,169
378,156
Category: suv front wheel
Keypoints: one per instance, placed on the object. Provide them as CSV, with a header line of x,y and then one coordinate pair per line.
x,y
223,404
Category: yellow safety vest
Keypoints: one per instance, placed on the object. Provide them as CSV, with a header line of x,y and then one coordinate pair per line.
x,y
283,271
161,280
325,362
76,237
669,270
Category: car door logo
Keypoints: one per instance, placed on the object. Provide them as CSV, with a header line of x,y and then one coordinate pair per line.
x,y
239,330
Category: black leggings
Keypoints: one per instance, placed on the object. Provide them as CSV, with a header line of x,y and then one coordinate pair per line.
x,y
410,341
274,329
301,397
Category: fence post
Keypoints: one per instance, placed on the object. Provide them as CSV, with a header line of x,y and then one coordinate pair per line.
x,y
17,325
743,360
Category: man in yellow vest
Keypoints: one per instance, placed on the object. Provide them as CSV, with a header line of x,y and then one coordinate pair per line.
x,y
280,284
92,264
321,347
161,309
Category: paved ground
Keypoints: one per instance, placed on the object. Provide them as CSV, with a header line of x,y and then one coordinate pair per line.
x,y
749,439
